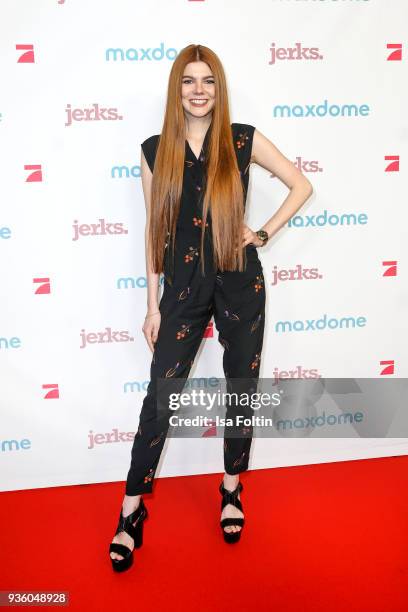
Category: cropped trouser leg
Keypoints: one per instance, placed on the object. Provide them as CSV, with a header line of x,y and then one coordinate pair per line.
x,y
239,314
237,301
184,318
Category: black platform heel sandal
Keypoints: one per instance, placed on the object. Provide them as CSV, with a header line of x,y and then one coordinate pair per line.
x,y
135,532
231,497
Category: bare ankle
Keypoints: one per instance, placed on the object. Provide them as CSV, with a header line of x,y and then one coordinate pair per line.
x,y
231,481
130,503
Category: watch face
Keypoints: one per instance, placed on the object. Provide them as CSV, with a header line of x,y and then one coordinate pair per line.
x,y
262,234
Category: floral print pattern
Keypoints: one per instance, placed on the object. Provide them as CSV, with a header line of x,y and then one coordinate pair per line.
x,y
259,282
198,222
184,293
191,253
256,361
239,460
157,439
149,476
181,333
255,324
231,315
171,371
242,140
236,299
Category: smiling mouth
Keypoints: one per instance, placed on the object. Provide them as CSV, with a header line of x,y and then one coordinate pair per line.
x,y
198,101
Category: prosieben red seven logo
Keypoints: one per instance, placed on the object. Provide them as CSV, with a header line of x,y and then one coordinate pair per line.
x,y
52,390
43,286
209,330
27,57
394,164
396,54
35,175
390,267
388,367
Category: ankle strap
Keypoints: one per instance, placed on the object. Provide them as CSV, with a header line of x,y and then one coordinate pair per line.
x,y
231,497
125,523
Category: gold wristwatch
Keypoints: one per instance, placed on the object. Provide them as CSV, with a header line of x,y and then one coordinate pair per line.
x,y
263,236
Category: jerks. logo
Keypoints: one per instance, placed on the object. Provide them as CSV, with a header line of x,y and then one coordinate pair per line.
x,y
98,229
92,114
312,166
304,166
307,166
312,53
107,438
104,337
299,372
294,53
297,273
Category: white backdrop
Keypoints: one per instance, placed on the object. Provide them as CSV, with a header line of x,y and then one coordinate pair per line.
x,y
83,84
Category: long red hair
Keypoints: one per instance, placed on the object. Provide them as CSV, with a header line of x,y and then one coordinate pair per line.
x,y
223,194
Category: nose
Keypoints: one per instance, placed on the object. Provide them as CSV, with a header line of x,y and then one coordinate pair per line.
x,y
198,88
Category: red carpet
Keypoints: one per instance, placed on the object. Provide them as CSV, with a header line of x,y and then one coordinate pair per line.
x,y
319,537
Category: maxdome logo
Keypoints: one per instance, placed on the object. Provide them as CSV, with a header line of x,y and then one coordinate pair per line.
x,y
13,444
134,282
332,219
141,54
325,322
320,110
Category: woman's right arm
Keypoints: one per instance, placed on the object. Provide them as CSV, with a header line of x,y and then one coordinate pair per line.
x,y
152,319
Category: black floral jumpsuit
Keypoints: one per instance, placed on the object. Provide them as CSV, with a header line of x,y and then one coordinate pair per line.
x,y
189,300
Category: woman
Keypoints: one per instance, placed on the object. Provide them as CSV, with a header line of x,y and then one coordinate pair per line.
x,y
195,179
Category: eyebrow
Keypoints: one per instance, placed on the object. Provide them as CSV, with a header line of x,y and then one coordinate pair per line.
x,y
188,76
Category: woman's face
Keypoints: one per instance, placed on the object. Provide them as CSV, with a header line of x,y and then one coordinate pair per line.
x,y
198,89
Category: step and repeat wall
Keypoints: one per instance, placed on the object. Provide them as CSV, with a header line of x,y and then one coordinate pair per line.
x,y
83,84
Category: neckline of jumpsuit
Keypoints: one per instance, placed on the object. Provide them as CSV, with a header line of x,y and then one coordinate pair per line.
x,y
237,302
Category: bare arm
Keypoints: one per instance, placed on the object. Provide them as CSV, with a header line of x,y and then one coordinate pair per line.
x,y
267,155
152,320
